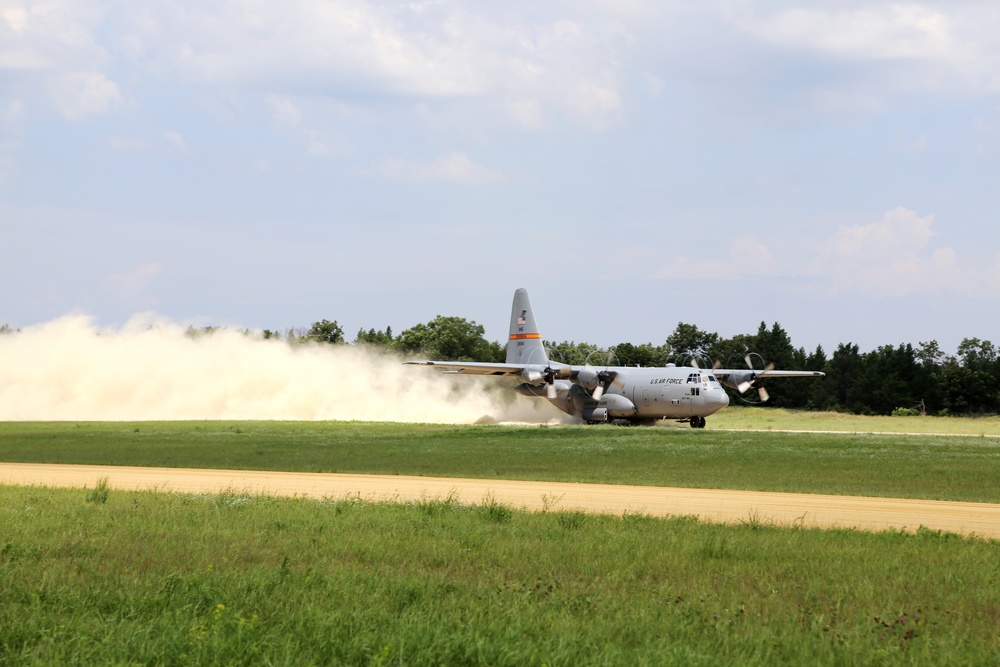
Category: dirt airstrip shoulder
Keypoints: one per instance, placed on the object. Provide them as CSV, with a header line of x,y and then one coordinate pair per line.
x,y
782,509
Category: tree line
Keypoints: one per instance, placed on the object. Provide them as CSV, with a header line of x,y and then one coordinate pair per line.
x,y
900,379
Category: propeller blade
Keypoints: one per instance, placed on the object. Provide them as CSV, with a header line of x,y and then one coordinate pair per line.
x,y
763,394
550,391
598,392
749,361
743,386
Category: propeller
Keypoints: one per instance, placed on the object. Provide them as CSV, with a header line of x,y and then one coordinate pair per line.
x,y
550,374
537,373
698,360
589,376
550,383
753,380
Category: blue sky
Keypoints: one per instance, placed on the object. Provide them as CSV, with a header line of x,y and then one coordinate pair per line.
x,y
829,166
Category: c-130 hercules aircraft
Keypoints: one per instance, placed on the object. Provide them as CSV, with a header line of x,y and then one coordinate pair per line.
x,y
605,394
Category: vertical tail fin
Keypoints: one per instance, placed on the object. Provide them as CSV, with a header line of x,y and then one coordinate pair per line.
x,y
525,343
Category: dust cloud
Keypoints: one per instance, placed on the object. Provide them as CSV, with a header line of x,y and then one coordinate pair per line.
x,y
150,369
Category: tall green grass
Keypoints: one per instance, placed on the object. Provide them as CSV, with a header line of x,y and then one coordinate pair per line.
x,y
146,578
740,417
874,464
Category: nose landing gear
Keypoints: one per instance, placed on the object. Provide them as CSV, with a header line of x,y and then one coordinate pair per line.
x,y
697,422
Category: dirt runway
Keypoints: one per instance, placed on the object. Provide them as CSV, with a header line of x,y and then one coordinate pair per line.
x,y
783,509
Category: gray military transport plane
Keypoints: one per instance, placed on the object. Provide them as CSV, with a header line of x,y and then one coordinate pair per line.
x,y
609,393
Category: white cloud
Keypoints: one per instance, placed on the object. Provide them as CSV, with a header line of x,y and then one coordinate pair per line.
x,y
890,32
895,257
311,123
78,94
595,105
455,168
53,45
15,16
928,47
747,257
533,67
900,231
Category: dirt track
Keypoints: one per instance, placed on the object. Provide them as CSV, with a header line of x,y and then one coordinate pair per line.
x,y
784,509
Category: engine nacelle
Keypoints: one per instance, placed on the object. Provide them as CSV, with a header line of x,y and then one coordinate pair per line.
x,y
533,374
587,378
615,405
562,387
618,405
740,380
595,414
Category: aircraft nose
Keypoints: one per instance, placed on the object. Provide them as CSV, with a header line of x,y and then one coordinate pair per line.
x,y
718,399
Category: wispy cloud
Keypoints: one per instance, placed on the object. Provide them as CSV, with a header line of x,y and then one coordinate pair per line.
x,y
455,168
80,94
892,257
925,47
747,257
175,141
527,67
896,256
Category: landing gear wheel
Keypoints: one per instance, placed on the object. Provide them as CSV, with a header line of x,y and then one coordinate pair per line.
x,y
698,422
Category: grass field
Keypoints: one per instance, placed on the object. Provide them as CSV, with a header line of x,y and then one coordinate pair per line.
x,y
98,577
737,417
873,464
107,577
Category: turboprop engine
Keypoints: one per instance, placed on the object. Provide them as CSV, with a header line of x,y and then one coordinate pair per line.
x,y
533,374
536,374
751,378
593,380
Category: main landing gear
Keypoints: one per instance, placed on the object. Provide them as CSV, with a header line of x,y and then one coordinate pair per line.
x,y
697,422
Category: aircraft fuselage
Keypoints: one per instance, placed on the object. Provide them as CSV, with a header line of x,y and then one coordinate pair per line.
x,y
641,394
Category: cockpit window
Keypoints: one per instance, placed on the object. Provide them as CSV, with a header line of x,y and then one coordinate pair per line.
x,y
694,378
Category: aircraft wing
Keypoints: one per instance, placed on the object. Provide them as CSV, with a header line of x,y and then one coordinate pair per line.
x,y
472,367
726,373
742,379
